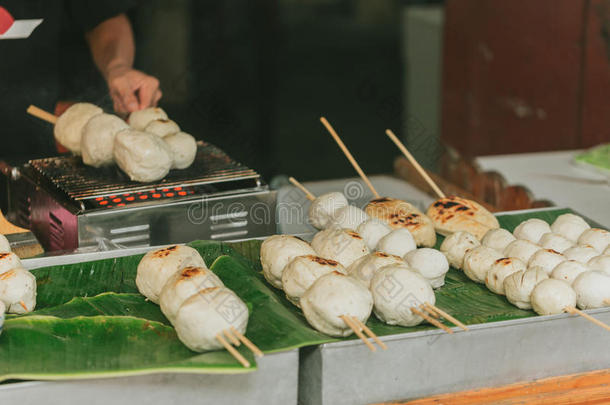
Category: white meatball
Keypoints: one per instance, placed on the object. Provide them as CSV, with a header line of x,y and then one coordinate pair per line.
x,y
552,296
430,263
342,245
396,289
478,261
497,239
18,291
182,285
398,242
599,239
69,126
365,268
531,230
455,246
9,261
279,250
323,209
519,285
184,149
303,271
332,296
349,217
501,269
556,242
97,142
5,245
162,127
570,226
600,263
140,119
548,259
206,315
157,266
143,157
580,253
592,289
372,230
521,249
568,270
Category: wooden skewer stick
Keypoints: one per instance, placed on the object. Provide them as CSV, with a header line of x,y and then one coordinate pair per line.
x,y
607,302
301,187
23,305
588,317
42,114
257,352
232,338
370,333
358,332
414,162
446,316
349,156
431,320
233,352
430,311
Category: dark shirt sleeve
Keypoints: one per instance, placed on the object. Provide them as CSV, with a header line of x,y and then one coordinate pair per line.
x,y
87,14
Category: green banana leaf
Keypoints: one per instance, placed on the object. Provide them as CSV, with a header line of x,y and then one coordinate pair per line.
x,y
46,347
91,321
110,304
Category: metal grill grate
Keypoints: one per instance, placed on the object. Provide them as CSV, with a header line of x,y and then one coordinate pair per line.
x,y
77,181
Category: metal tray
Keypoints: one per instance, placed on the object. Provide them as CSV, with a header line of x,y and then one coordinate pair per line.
x,y
420,364
433,362
274,382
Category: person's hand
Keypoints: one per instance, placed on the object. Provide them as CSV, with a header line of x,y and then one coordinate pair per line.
x,y
132,90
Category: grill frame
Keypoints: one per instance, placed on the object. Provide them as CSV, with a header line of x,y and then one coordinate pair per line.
x,y
75,182
65,219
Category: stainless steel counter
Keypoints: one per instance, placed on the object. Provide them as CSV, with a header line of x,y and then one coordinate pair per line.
x,y
275,382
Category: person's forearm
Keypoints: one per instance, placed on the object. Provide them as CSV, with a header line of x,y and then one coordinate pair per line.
x,y
112,45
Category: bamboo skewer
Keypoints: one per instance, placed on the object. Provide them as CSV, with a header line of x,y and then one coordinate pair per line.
x,y
301,187
431,320
430,311
349,156
257,352
370,333
42,114
233,352
232,338
414,162
575,311
445,315
358,332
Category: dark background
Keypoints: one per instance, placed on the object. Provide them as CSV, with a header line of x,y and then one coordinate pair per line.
x,y
254,76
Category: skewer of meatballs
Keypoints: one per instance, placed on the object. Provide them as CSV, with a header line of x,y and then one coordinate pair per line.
x,y
395,213
204,312
342,267
548,268
17,285
145,148
450,214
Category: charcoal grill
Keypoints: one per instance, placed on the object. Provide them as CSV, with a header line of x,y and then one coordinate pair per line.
x,y
69,205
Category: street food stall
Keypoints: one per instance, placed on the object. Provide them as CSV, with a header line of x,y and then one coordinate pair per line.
x,y
141,261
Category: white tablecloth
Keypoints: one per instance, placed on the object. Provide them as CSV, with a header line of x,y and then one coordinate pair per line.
x,y
553,176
